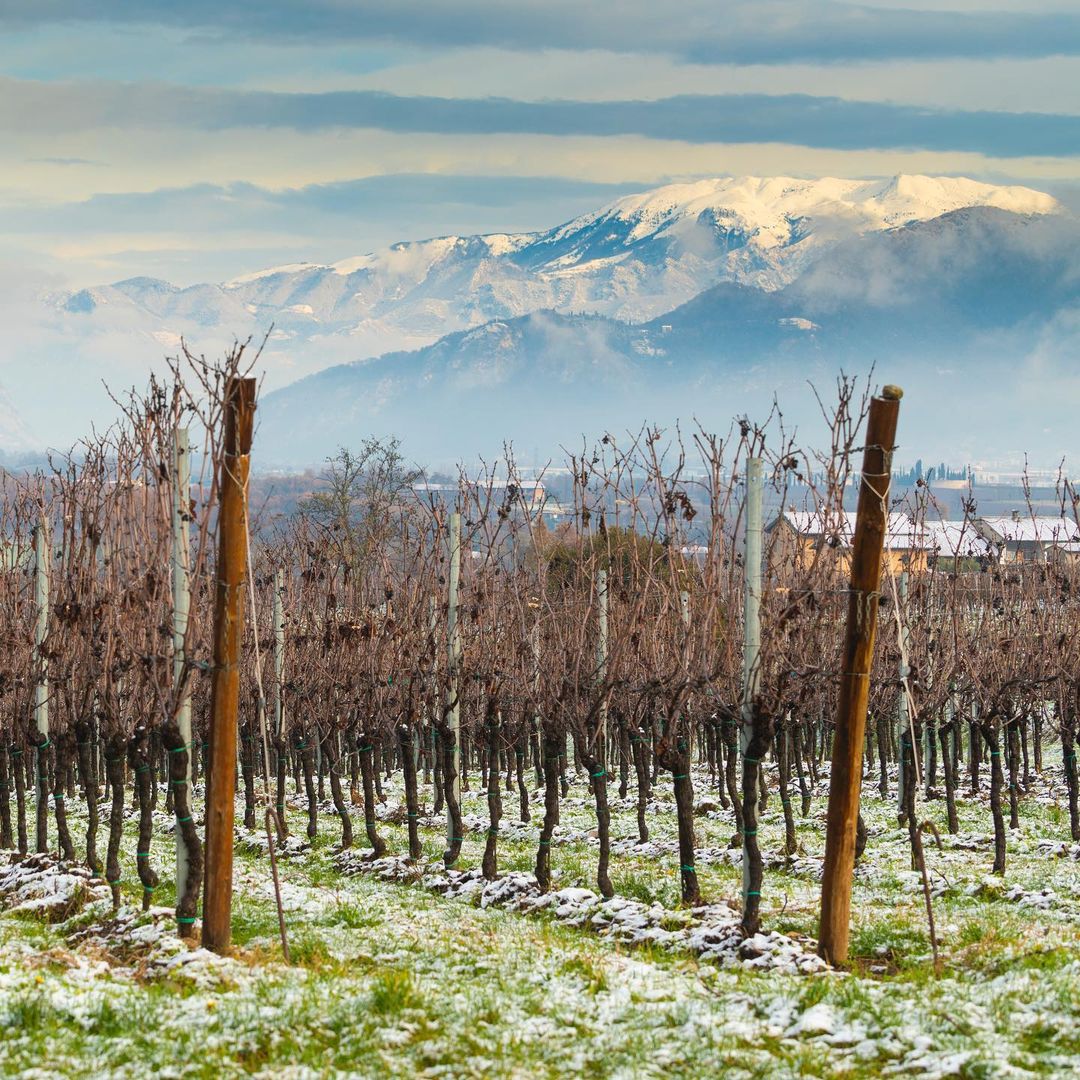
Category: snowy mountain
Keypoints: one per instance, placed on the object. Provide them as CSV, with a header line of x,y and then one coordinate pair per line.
x,y
630,261
976,313
646,253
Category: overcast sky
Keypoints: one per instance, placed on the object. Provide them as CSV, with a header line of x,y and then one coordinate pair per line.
x,y
200,139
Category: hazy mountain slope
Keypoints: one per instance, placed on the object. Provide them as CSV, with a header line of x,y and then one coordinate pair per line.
x,y
633,259
17,440
975,311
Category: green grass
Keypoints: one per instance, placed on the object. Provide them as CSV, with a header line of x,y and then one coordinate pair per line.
x,y
393,992
352,915
588,970
392,980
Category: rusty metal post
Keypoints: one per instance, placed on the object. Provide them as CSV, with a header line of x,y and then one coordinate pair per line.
x,y
845,779
225,685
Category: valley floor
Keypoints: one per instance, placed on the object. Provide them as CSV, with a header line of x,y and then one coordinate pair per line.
x,y
407,971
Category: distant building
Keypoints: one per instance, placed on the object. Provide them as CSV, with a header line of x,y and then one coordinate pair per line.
x,y
1021,538
915,546
697,553
535,495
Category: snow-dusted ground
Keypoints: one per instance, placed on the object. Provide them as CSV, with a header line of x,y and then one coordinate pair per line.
x,y
403,969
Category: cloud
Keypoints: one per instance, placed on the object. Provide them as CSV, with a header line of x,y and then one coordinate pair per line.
x,y
241,206
65,161
708,31
206,231
795,119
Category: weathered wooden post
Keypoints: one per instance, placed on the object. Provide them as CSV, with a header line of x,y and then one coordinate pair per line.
x,y
602,660
751,673
537,729
956,734
427,733
181,590
280,762
225,685
42,554
903,719
846,775
279,653
453,650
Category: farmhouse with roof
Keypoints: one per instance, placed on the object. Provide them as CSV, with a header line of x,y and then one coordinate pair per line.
x,y
911,545
1025,538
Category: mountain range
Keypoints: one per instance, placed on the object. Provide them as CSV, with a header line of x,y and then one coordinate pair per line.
x,y
691,299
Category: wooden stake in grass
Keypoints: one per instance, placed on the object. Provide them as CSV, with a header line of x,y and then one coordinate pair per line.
x,y
279,702
751,682
452,731
225,687
181,590
846,776
42,561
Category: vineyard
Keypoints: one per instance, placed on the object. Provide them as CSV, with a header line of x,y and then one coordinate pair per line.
x,y
711,773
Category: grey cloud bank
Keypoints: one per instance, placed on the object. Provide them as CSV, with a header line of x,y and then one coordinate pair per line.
x,y
795,119
768,32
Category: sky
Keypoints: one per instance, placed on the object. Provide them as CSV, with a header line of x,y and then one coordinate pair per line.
x,y
197,140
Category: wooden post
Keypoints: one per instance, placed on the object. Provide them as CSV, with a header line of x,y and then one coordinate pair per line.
x,y
42,559
537,731
903,720
953,726
428,734
751,673
846,776
181,590
279,654
225,685
453,649
602,660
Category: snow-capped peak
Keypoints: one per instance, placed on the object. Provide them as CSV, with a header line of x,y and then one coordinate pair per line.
x,y
409,256
271,272
634,259
907,198
756,203
755,230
